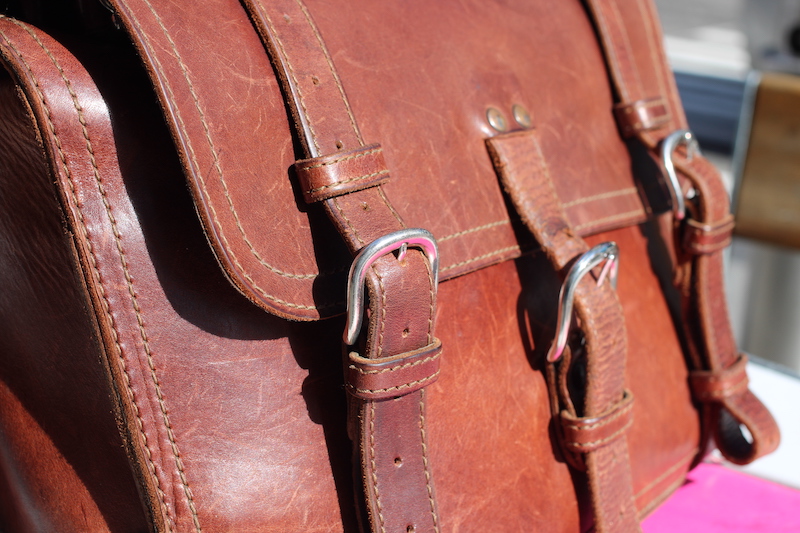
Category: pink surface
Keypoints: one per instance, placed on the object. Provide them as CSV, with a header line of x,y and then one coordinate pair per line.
x,y
716,499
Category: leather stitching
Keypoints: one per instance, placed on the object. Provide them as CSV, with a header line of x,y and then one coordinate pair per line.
x,y
335,202
425,463
343,159
484,256
390,207
476,229
261,260
548,238
655,60
93,259
374,473
398,387
332,69
612,218
621,412
398,367
351,180
599,18
291,73
605,440
213,151
669,471
628,48
129,281
659,499
720,395
422,422
603,196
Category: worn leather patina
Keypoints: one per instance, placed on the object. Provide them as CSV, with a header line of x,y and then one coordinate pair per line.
x,y
185,186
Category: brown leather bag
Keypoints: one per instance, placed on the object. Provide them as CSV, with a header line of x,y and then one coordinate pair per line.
x,y
461,177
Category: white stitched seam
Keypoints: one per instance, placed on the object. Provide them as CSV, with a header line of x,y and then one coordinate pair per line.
x,y
603,196
84,229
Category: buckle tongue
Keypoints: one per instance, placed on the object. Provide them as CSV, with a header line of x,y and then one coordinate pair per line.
x,y
397,240
668,147
607,252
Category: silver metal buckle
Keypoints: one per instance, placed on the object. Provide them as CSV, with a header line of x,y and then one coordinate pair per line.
x,y
668,147
608,252
398,240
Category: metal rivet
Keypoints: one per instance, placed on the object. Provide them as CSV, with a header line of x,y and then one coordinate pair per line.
x,y
521,115
496,119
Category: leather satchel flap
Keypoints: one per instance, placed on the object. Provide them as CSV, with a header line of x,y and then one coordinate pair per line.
x,y
422,87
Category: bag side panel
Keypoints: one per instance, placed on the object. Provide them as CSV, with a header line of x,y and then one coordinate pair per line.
x,y
63,461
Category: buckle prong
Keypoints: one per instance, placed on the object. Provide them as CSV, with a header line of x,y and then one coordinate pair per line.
x,y
397,240
607,252
668,148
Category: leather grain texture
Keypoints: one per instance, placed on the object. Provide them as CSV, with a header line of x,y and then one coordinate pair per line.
x,y
421,121
526,177
183,376
697,260
63,459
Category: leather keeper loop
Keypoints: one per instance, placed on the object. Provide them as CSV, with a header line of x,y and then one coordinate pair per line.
x,y
642,115
582,435
395,376
701,238
715,386
336,174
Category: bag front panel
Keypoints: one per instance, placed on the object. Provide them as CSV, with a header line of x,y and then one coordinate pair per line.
x,y
244,412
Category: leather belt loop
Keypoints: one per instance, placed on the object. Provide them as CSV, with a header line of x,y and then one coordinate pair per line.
x,y
716,385
523,170
641,115
587,434
701,238
395,376
329,176
344,174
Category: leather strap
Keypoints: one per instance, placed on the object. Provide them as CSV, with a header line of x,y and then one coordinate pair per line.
x,y
596,428
343,174
699,240
709,332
